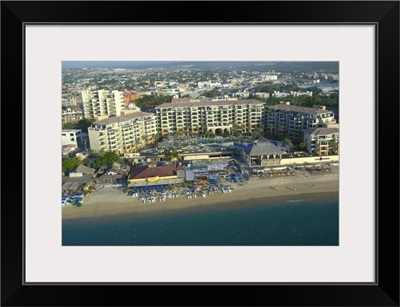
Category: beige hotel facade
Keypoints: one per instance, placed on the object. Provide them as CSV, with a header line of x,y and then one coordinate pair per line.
x,y
128,132
123,134
214,116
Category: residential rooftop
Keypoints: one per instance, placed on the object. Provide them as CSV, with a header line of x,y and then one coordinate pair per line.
x,y
321,131
71,130
143,172
122,118
308,110
187,103
262,148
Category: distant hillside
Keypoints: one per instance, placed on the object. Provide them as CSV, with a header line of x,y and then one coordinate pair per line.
x,y
332,67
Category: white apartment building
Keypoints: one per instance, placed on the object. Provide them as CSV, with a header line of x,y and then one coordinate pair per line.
x,y
69,101
285,120
102,103
123,134
70,137
214,116
270,77
322,141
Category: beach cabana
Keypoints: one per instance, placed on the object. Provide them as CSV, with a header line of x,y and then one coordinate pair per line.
x,y
262,153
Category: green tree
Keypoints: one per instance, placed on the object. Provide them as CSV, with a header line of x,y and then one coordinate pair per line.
x,y
258,132
68,126
202,129
186,130
302,145
288,143
316,90
70,163
170,155
167,154
270,129
333,145
157,137
211,94
106,158
151,101
226,134
84,124
175,155
209,135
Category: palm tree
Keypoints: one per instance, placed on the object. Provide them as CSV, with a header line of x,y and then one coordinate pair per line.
x,y
175,155
167,154
243,128
288,143
144,140
155,138
332,145
302,145
270,129
202,129
281,130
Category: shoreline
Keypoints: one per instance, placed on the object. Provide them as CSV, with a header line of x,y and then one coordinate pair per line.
x,y
111,202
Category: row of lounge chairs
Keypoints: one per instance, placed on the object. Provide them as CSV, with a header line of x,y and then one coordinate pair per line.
x,y
321,171
278,174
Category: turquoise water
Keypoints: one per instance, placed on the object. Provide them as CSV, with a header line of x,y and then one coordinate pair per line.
x,y
296,222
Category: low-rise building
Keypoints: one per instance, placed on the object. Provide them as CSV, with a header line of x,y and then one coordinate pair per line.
x,y
70,137
72,115
152,173
262,154
85,170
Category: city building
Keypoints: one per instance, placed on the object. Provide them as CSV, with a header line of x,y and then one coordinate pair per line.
x,y
285,120
72,115
322,141
130,96
123,134
215,116
70,137
102,103
70,101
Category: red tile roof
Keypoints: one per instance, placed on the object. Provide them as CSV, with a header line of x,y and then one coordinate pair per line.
x,y
148,172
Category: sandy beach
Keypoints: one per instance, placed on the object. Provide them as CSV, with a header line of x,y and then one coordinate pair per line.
x,y
114,202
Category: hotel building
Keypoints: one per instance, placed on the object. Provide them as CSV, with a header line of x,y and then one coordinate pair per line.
x,y
285,120
322,141
102,103
123,134
214,116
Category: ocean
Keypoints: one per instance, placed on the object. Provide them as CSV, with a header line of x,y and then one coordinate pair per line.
x,y
261,222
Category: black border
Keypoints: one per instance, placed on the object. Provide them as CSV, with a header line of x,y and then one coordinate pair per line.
x,y
385,15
